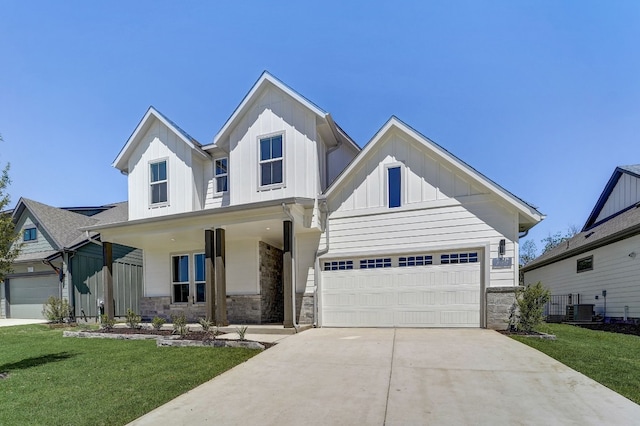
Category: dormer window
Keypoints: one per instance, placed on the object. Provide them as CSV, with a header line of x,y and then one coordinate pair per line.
x,y
158,182
271,161
222,175
30,234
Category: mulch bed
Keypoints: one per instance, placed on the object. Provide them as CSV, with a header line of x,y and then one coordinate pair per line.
x,y
191,335
614,328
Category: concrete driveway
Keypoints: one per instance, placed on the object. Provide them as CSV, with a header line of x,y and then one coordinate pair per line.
x,y
398,377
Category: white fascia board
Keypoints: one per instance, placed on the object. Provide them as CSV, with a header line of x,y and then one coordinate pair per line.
x,y
120,161
264,79
443,154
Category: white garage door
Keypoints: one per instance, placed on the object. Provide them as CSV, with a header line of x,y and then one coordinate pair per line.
x,y
441,290
28,294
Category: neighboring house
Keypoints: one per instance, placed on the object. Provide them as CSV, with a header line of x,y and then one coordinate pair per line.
x,y
604,256
284,219
59,259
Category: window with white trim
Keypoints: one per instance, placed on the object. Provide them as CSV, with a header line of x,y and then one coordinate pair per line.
x,y
199,276
180,278
394,186
29,234
271,161
415,260
452,258
221,172
375,263
158,182
338,265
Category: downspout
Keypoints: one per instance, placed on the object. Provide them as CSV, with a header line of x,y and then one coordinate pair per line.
x,y
287,211
322,207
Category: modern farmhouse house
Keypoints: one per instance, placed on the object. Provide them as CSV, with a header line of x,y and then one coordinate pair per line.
x,y
284,219
600,265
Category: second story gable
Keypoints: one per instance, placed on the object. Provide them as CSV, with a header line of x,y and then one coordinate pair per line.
x,y
275,145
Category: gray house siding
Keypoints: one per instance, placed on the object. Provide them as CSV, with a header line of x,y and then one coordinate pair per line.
x,y
86,269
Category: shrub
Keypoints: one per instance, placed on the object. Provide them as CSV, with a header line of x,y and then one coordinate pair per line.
x,y
206,326
107,323
530,302
157,322
55,309
133,319
179,324
242,330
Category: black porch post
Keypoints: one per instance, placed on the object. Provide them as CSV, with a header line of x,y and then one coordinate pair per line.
x,y
287,273
210,292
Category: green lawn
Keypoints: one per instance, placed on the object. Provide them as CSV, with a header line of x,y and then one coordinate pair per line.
x,y
69,381
608,358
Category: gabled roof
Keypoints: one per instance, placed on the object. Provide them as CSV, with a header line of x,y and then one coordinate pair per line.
x,y
633,170
263,81
526,210
64,226
624,225
153,114
60,225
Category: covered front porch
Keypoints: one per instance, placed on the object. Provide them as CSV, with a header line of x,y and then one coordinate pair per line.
x,y
246,265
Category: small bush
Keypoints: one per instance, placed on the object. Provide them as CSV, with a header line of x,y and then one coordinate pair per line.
x,y
242,331
107,323
157,322
133,319
206,325
55,310
530,302
180,324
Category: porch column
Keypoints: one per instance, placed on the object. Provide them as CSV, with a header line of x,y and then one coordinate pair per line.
x,y
210,290
220,278
287,273
107,279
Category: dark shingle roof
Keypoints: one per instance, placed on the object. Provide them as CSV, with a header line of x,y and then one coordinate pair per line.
x,y
624,225
64,226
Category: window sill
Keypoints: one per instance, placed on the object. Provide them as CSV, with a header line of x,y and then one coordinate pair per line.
x,y
270,187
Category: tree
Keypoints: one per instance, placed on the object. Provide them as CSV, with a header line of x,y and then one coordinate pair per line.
x,y
528,252
553,240
530,303
9,247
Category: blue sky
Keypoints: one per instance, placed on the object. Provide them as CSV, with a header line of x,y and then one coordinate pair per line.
x,y
541,96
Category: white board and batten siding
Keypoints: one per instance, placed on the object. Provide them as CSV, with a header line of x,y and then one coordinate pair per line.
x,y
273,113
441,212
626,193
613,270
161,143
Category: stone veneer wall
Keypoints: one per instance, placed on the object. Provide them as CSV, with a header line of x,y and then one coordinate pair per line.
x,y
304,306
499,301
271,290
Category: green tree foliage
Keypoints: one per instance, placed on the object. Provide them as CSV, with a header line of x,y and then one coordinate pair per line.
x,y
553,240
530,302
9,247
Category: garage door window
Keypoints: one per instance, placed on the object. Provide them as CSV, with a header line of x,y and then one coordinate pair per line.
x,y
453,258
338,265
375,263
415,261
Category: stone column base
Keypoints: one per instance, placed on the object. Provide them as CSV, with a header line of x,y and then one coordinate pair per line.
x,y
499,300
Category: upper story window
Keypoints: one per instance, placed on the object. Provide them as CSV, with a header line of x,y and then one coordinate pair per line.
x,y
158,182
30,234
271,160
222,175
584,264
394,186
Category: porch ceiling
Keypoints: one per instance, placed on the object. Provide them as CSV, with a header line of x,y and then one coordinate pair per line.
x,y
187,233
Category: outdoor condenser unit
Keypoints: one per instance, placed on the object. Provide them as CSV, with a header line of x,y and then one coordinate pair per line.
x,y
583,312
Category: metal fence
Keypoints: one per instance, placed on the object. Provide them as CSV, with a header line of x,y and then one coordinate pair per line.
x,y
560,307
